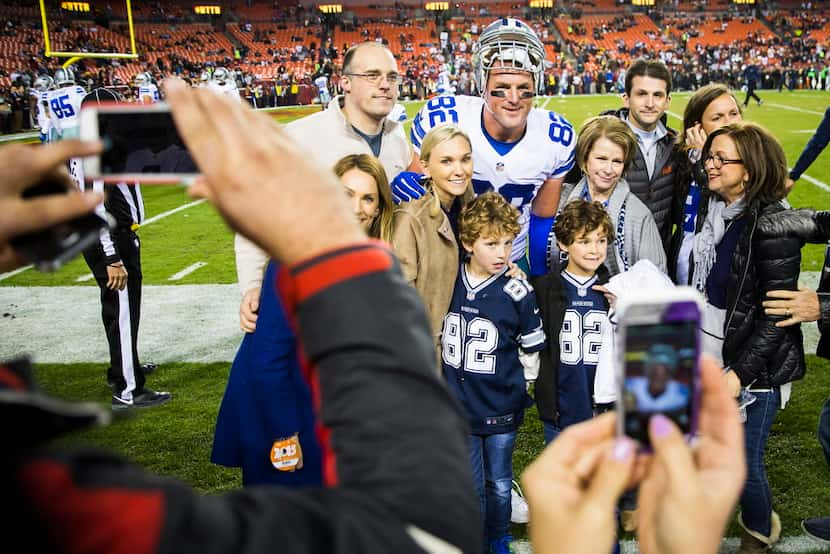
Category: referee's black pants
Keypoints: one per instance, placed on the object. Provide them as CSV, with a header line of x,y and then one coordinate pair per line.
x,y
120,312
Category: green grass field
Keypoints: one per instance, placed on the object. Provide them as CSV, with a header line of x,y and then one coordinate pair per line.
x,y
175,439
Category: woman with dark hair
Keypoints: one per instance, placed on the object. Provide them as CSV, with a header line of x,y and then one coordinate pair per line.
x,y
709,108
734,266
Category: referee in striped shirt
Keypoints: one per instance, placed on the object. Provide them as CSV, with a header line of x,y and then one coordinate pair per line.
x,y
115,261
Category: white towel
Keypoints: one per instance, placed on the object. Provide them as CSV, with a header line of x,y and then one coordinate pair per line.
x,y
643,275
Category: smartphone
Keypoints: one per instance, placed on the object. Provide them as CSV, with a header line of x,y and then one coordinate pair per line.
x,y
658,339
140,141
50,249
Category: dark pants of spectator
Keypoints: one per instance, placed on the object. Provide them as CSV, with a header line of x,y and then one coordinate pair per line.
x,y
824,430
750,93
120,313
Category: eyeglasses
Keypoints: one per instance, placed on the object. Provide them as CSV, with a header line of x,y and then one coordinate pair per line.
x,y
718,162
375,77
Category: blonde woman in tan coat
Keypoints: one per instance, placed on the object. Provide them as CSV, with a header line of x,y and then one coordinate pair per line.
x,y
424,230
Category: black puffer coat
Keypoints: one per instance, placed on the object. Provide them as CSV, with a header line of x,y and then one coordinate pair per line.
x,y
760,353
810,226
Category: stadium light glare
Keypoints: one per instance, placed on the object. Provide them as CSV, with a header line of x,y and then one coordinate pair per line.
x,y
207,10
75,6
331,8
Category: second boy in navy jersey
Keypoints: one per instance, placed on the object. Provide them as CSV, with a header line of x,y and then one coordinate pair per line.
x,y
491,317
575,312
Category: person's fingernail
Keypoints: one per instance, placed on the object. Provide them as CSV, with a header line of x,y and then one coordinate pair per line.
x,y
623,449
660,425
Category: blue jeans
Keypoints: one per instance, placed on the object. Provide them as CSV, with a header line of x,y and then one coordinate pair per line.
x,y
492,460
756,498
551,431
824,430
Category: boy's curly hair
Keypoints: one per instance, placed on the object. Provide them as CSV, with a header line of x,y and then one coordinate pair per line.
x,y
488,215
580,217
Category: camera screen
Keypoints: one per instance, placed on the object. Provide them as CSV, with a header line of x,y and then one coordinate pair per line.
x,y
139,143
660,375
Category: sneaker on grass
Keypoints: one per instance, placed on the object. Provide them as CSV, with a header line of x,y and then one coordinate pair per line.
x,y
144,399
519,512
817,528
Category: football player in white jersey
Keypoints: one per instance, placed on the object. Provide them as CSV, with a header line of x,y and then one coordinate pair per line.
x,y
520,151
322,84
64,105
148,92
41,88
443,86
223,82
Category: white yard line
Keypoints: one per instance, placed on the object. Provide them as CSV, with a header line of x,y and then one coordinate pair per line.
x,y
179,323
4,276
820,184
186,271
792,108
787,544
85,278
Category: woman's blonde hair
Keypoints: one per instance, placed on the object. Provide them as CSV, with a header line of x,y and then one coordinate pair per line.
x,y
381,227
439,135
614,129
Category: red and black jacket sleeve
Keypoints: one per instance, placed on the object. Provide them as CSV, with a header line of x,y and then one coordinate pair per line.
x,y
396,458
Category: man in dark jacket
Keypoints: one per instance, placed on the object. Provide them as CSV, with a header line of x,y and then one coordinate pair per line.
x,y
651,175
806,305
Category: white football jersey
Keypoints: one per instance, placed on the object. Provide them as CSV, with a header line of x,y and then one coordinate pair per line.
x,y
150,91
228,89
545,151
322,84
64,109
43,121
398,114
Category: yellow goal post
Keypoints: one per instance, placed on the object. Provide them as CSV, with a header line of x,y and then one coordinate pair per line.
x,y
73,57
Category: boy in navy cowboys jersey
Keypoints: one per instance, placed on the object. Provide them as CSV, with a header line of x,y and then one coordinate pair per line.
x,y
490,318
573,310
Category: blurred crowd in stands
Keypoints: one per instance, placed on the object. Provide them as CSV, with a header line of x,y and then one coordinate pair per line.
x,y
276,52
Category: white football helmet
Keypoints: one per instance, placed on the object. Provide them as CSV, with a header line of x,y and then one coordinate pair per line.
x,y
43,83
221,75
142,79
64,76
204,77
512,43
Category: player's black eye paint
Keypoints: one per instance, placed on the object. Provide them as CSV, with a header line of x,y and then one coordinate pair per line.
x,y
502,93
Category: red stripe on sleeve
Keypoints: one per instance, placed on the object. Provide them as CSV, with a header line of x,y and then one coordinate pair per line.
x,y
11,379
307,278
93,519
339,267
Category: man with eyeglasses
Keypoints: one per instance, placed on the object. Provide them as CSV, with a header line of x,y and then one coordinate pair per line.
x,y
520,151
354,123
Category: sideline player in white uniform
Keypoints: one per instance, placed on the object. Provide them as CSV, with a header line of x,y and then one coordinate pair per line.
x,y
443,86
64,105
42,86
148,92
520,151
322,84
223,82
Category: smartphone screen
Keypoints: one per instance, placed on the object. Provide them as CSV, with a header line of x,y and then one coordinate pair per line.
x,y
660,372
142,142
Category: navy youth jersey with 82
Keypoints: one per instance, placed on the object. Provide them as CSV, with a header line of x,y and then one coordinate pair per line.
x,y
545,151
483,331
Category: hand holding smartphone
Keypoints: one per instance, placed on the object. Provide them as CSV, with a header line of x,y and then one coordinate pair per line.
x,y
658,364
51,248
140,141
